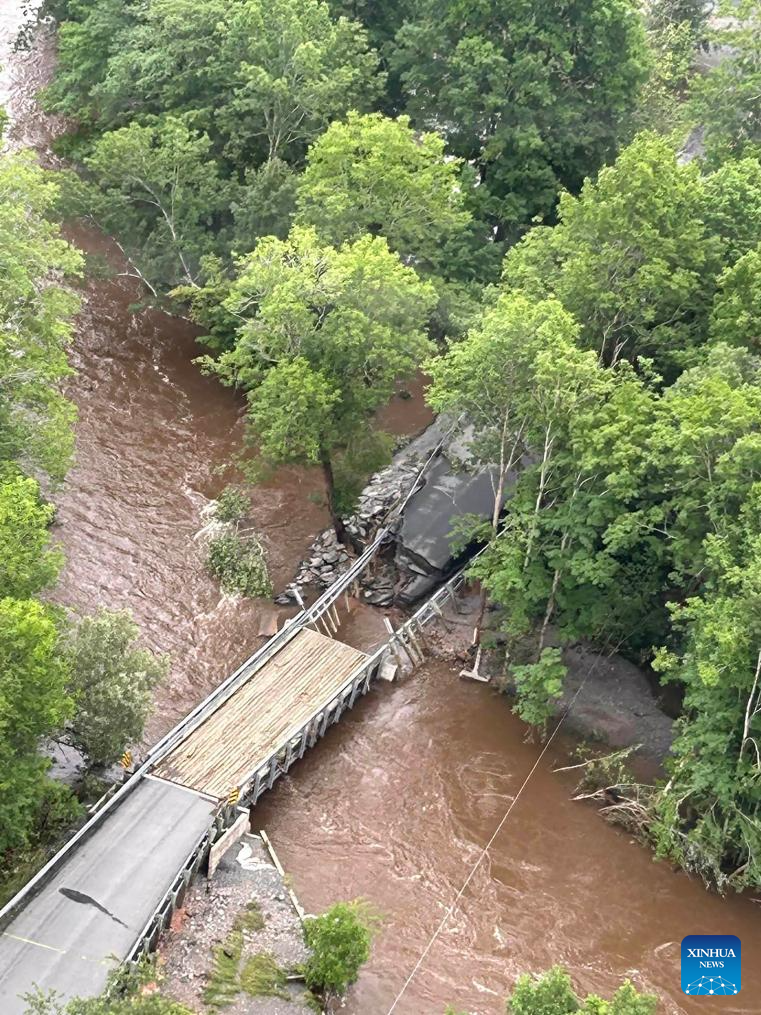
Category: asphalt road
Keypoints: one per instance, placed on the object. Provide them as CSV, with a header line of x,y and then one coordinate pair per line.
x,y
87,918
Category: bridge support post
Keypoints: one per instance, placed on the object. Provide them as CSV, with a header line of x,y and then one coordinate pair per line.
x,y
313,732
354,692
257,788
304,741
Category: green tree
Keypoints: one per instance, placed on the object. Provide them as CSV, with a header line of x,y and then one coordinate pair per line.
x,y
372,174
631,258
27,564
725,100
736,313
90,32
35,316
158,188
534,108
732,207
485,381
111,681
33,704
261,79
339,942
552,994
707,816
298,69
324,334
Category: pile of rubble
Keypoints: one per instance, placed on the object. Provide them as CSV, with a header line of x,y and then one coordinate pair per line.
x,y
385,491
328,559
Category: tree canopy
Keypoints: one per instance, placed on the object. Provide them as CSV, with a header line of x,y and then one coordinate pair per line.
x,y
111,679
33,703
552,993
372,174
324,334
535,107
636,256
35,314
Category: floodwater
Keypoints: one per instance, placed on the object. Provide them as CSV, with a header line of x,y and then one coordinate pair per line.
x,y
397,802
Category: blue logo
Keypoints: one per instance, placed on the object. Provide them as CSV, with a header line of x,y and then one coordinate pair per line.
x,y
711,964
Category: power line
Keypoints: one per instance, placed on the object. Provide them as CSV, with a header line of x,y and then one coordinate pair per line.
x,y
487,847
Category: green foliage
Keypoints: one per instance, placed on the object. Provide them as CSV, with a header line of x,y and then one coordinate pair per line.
x,y
340,941
192,116
368,452
36,440
157,186
552,993
223,986
27,564
257,975
725,100
262,977
35,316
33,703
232,505
239,564
736,313
123,996
55,813
535,108
372,174
636,257
539,686
324,335
662,103
111,680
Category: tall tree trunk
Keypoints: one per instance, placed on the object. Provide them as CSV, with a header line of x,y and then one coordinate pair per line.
x,y
330,490
506,463
550,607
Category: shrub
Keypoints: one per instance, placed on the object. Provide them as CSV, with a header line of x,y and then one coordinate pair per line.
x,y
340,944
552,993
112,680
239,564
232,505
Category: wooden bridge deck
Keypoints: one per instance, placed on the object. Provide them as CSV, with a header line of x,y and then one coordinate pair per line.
x,y
256,720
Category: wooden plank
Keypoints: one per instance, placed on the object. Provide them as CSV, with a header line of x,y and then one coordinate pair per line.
x,y
227,839
254,723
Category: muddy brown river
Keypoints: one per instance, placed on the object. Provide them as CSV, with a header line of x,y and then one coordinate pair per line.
x,y
396,803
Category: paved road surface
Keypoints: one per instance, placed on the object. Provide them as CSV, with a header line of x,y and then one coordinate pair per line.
x,y
91,912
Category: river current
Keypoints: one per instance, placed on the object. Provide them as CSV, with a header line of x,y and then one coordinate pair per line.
x,y
396,803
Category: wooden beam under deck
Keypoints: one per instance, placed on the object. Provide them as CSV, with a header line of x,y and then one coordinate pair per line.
x,y
256,720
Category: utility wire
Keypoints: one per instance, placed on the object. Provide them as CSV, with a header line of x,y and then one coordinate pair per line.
x,y
487,847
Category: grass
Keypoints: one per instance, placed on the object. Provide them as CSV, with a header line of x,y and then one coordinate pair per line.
x,y
263,977
223,985
250,919
258,975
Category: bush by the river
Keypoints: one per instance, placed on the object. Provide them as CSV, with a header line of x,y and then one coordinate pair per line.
x,y
340,941
232,505
552,993
239,564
